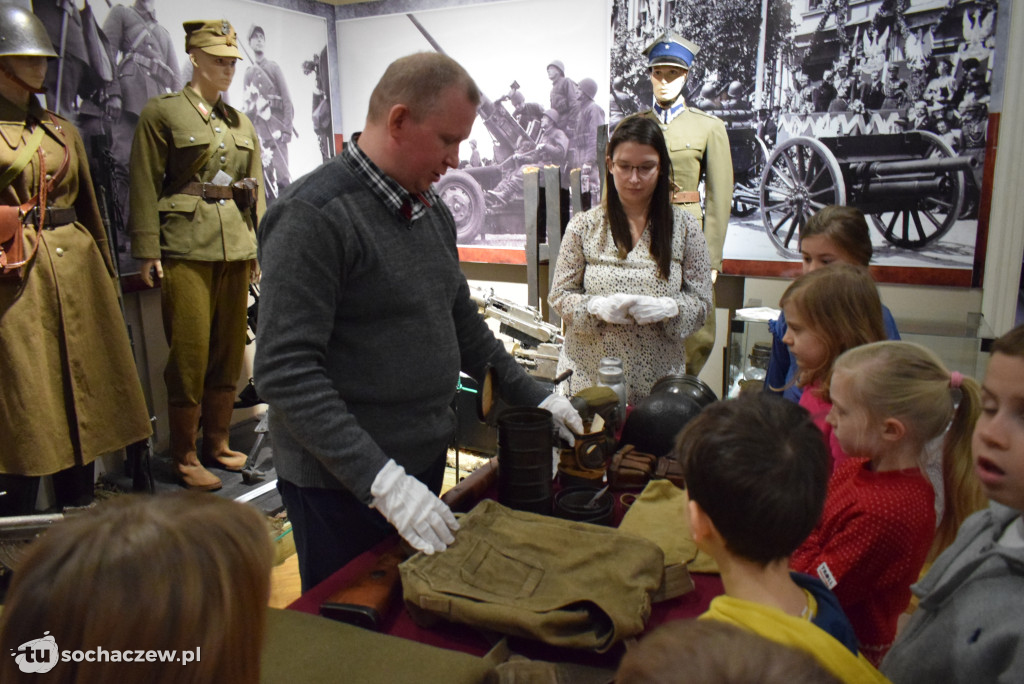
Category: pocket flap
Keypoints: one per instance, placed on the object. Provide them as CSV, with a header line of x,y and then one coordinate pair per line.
x,y
183,139
185,203
244,141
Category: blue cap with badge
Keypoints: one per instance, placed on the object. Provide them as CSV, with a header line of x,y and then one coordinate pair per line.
x,y
672,49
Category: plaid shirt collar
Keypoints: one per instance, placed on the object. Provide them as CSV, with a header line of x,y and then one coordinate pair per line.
x,y
407,205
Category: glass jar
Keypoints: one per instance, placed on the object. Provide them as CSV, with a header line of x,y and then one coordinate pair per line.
x,y
613,377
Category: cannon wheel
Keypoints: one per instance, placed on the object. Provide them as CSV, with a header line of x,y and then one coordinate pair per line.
x,y
905,227
744,196
801,177
465,200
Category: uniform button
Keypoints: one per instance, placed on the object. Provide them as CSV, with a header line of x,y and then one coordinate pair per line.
x,y
191,138
217,129
213,115
59,251
49,176
223,159
172,205
687,145
222,146
220,202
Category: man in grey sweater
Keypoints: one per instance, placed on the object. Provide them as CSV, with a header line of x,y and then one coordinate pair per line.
x,y
366,321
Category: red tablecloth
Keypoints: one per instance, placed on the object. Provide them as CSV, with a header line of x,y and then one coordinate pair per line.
x,y
469,640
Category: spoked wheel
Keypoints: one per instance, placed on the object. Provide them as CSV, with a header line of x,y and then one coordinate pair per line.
x,y
801,177
464,198
926,216
745,197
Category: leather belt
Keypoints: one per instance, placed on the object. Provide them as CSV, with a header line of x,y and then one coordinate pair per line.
x,y
685,197
54,217
208,191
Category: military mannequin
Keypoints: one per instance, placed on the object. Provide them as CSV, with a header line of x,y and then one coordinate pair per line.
x,y
193,223
699,148
70,388
269,106
145,66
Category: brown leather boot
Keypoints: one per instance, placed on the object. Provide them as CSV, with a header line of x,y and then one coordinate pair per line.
x,y
217,408
184,425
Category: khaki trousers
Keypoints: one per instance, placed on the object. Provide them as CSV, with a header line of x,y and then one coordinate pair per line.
x,y
204,312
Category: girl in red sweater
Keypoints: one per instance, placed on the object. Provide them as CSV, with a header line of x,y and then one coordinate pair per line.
x,y
893,404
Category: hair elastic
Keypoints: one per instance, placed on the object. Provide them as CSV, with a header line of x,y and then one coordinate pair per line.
x,y
955,379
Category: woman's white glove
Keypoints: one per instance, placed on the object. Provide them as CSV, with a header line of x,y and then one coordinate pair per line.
x,y
420,517
653,309
612,309
566,418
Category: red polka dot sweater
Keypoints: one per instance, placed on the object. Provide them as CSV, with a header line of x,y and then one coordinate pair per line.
x,y
870,546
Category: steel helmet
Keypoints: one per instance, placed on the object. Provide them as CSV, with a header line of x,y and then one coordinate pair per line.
x,y
708,91
22,34
517,98
735,89
553,115
557,63
589,87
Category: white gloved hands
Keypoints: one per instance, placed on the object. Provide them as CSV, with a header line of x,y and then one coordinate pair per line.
x,y
612,309
420,517
566,417
653,309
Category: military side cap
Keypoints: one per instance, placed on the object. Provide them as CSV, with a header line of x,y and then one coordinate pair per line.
x,y
215,36
671,49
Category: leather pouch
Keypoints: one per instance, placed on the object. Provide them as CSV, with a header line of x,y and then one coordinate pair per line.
x,y
12,242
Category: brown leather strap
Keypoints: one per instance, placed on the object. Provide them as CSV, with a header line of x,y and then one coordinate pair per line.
x,y
207,191
685,197
52,217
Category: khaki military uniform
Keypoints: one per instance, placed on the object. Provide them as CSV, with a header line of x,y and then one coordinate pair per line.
x,y
71,391
204,299
699,147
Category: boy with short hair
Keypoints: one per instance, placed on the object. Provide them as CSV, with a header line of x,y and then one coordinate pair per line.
x,y
967,625
756,471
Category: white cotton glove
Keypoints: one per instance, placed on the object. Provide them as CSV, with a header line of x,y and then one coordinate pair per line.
x,y
566,418
420,517
612,309
653,309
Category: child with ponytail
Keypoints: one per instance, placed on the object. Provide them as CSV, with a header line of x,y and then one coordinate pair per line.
x,y
893,404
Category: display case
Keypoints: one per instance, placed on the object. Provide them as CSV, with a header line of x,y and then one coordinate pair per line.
x,y
962,346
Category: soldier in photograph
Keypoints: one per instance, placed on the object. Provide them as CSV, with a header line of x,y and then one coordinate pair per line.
x,y
622,104
145,67
525,113
699,148
552,148
895,89
584,138
563,95
269,106
734,98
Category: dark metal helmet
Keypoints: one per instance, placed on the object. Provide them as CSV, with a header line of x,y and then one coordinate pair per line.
x,y
589,87
22,34
708,90
735,89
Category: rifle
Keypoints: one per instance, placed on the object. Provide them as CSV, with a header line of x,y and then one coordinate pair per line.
x,y
138,455
18,531
367,600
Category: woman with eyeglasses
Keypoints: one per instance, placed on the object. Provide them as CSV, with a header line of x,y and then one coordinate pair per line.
x,y
633,276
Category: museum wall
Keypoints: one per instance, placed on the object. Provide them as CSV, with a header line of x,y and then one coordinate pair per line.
x,y
994,279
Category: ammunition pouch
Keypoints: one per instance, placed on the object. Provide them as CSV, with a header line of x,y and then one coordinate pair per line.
x,y
12,243
244,193
631,469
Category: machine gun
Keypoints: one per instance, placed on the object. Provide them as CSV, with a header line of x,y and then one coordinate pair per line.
x,y
539,341
18,531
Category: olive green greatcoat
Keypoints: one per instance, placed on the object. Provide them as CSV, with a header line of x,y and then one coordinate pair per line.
x,y
698,144
70,391
174,131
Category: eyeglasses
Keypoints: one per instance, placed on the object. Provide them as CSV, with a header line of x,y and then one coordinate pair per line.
x,y
644,171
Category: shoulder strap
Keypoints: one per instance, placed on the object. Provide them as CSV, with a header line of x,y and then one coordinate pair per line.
x,y
21,161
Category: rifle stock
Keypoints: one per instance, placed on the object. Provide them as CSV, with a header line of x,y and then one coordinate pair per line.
x,y
366,601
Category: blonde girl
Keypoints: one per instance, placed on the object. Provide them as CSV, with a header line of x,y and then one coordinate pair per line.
x,y
891,403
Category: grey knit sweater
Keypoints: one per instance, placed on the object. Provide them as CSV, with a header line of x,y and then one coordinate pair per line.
x,y
365,321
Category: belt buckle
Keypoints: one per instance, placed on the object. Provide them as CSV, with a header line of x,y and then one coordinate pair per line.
x,y
203,185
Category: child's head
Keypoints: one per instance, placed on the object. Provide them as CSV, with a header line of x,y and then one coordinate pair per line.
x,y
835,234
714,652
999,434
758,469
892,391
827,312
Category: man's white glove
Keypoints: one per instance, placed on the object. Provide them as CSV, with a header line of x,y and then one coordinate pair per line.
x,y
417,513
566,418
612,309
653,309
